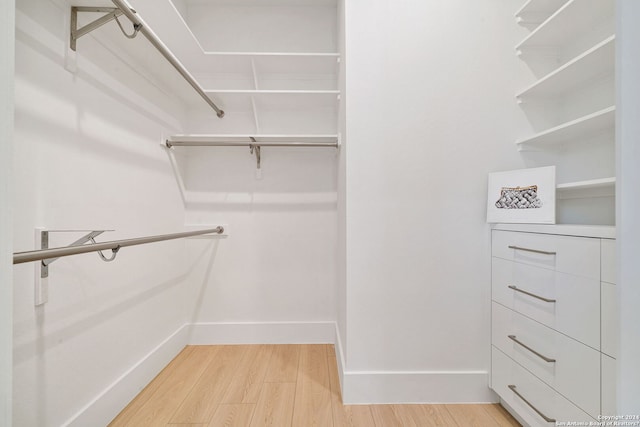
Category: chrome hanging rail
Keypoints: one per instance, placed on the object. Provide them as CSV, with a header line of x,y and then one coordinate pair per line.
x,y
45,254
139,26
177,143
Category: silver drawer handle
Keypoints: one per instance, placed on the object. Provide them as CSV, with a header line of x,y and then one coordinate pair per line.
x,y
547,419
519,248
530,294
545,358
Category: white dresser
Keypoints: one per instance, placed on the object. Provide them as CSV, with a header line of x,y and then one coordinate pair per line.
x,y
553,321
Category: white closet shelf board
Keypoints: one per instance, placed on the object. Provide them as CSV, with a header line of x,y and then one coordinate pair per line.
x,y
598,231
574,18
267,63
539,6
585,185
595,62
258,137
275,100
583,126
603,187
165,20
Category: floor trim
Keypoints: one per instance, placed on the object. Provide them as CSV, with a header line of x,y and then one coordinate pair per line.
x,y
106,405
262,333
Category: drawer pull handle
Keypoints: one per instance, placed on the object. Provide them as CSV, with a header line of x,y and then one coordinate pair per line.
x,y
536,251
530,294
545,358
547,419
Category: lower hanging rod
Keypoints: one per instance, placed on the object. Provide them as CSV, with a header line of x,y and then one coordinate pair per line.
x,y
172,143
29,256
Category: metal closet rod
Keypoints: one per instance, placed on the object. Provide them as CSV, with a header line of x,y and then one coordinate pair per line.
x,y
249,144
42,254
157,43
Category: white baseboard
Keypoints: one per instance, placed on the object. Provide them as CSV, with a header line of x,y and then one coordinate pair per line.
x,y
262,333
378,387
104,407
358,387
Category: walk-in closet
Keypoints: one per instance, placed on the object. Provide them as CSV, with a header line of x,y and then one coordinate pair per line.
x,y
319,213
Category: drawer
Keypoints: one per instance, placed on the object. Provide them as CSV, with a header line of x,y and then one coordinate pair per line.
x,y
608,385
609,319
608,260
576,307
506,372
571,368
579,256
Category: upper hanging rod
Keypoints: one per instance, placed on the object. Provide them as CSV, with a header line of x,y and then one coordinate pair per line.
x,y
139,26
155,41
22,257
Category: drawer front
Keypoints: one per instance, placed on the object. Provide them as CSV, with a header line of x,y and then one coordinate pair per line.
x,y
576,307
608,257
609,319
571,368
506,372
579,256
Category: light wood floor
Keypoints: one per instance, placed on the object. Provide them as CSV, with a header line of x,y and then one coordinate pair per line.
x,y
276,385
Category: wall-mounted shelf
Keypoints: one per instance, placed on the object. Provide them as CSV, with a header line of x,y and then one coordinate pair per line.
x,y
595,62
537,11
254,142
245,139
574,17
574,129
589,184
282,100
603,187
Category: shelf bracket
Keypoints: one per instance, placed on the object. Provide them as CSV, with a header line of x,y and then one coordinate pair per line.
x,y
89,237
256,148
111,14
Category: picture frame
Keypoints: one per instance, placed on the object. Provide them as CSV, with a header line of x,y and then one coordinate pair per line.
x,y
525,196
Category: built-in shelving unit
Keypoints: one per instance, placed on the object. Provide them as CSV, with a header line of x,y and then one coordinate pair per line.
x,y
570,51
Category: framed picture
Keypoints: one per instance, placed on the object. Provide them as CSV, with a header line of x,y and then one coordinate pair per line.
x,y
522,196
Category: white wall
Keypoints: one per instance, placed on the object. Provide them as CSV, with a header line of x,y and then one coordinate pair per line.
x,y
430,111
628,206
278,264
7,41
87,156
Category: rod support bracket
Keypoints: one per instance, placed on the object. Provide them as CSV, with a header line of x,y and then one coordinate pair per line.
x,y
44,244
255,147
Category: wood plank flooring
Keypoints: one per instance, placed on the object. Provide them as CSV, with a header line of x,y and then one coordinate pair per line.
x,y
279,386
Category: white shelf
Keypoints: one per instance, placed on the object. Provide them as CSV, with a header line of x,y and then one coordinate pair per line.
x,y
203,138
163,17
537,11
598,231
274,100
305,63
603,187
589,124
587,185
537,6
573,18
595,62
